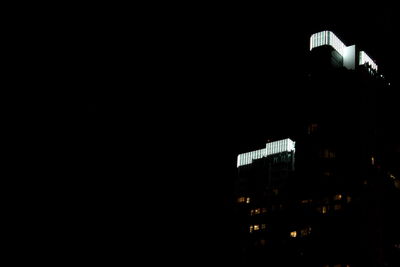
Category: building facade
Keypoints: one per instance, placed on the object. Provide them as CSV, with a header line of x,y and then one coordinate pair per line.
x,y
326,200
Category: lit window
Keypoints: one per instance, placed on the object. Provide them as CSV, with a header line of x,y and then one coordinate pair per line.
x,y
397,184
248,200
251,228
312,128
305,201
337,207
251,212
293,234
328,154
256,227
263,226
372,160
337,197
324,209
241,199
257,211
348,199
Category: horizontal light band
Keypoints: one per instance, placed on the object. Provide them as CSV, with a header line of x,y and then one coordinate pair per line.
x,y
285,145
364,58
327,38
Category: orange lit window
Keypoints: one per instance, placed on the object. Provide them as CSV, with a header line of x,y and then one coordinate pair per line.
x,y
328,154
305,201
256,227
337,197
293,234
257,211
248,200
324,209
251,228
241,199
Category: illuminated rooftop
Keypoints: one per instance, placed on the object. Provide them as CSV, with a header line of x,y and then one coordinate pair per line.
x,y
365,59
285,145
329,38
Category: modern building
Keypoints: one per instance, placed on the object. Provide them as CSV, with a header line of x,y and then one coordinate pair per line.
x,y
327,199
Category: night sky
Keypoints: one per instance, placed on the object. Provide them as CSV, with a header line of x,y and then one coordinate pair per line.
x,y
168,97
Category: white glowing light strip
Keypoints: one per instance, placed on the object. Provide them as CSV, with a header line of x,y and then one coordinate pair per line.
x,y
364,58
285,145
247,158
279,146
327,38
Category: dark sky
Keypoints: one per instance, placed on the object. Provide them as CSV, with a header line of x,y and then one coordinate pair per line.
x,y
179,91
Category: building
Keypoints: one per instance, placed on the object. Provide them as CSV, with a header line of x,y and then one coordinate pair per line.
x,y
264,176
327,199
